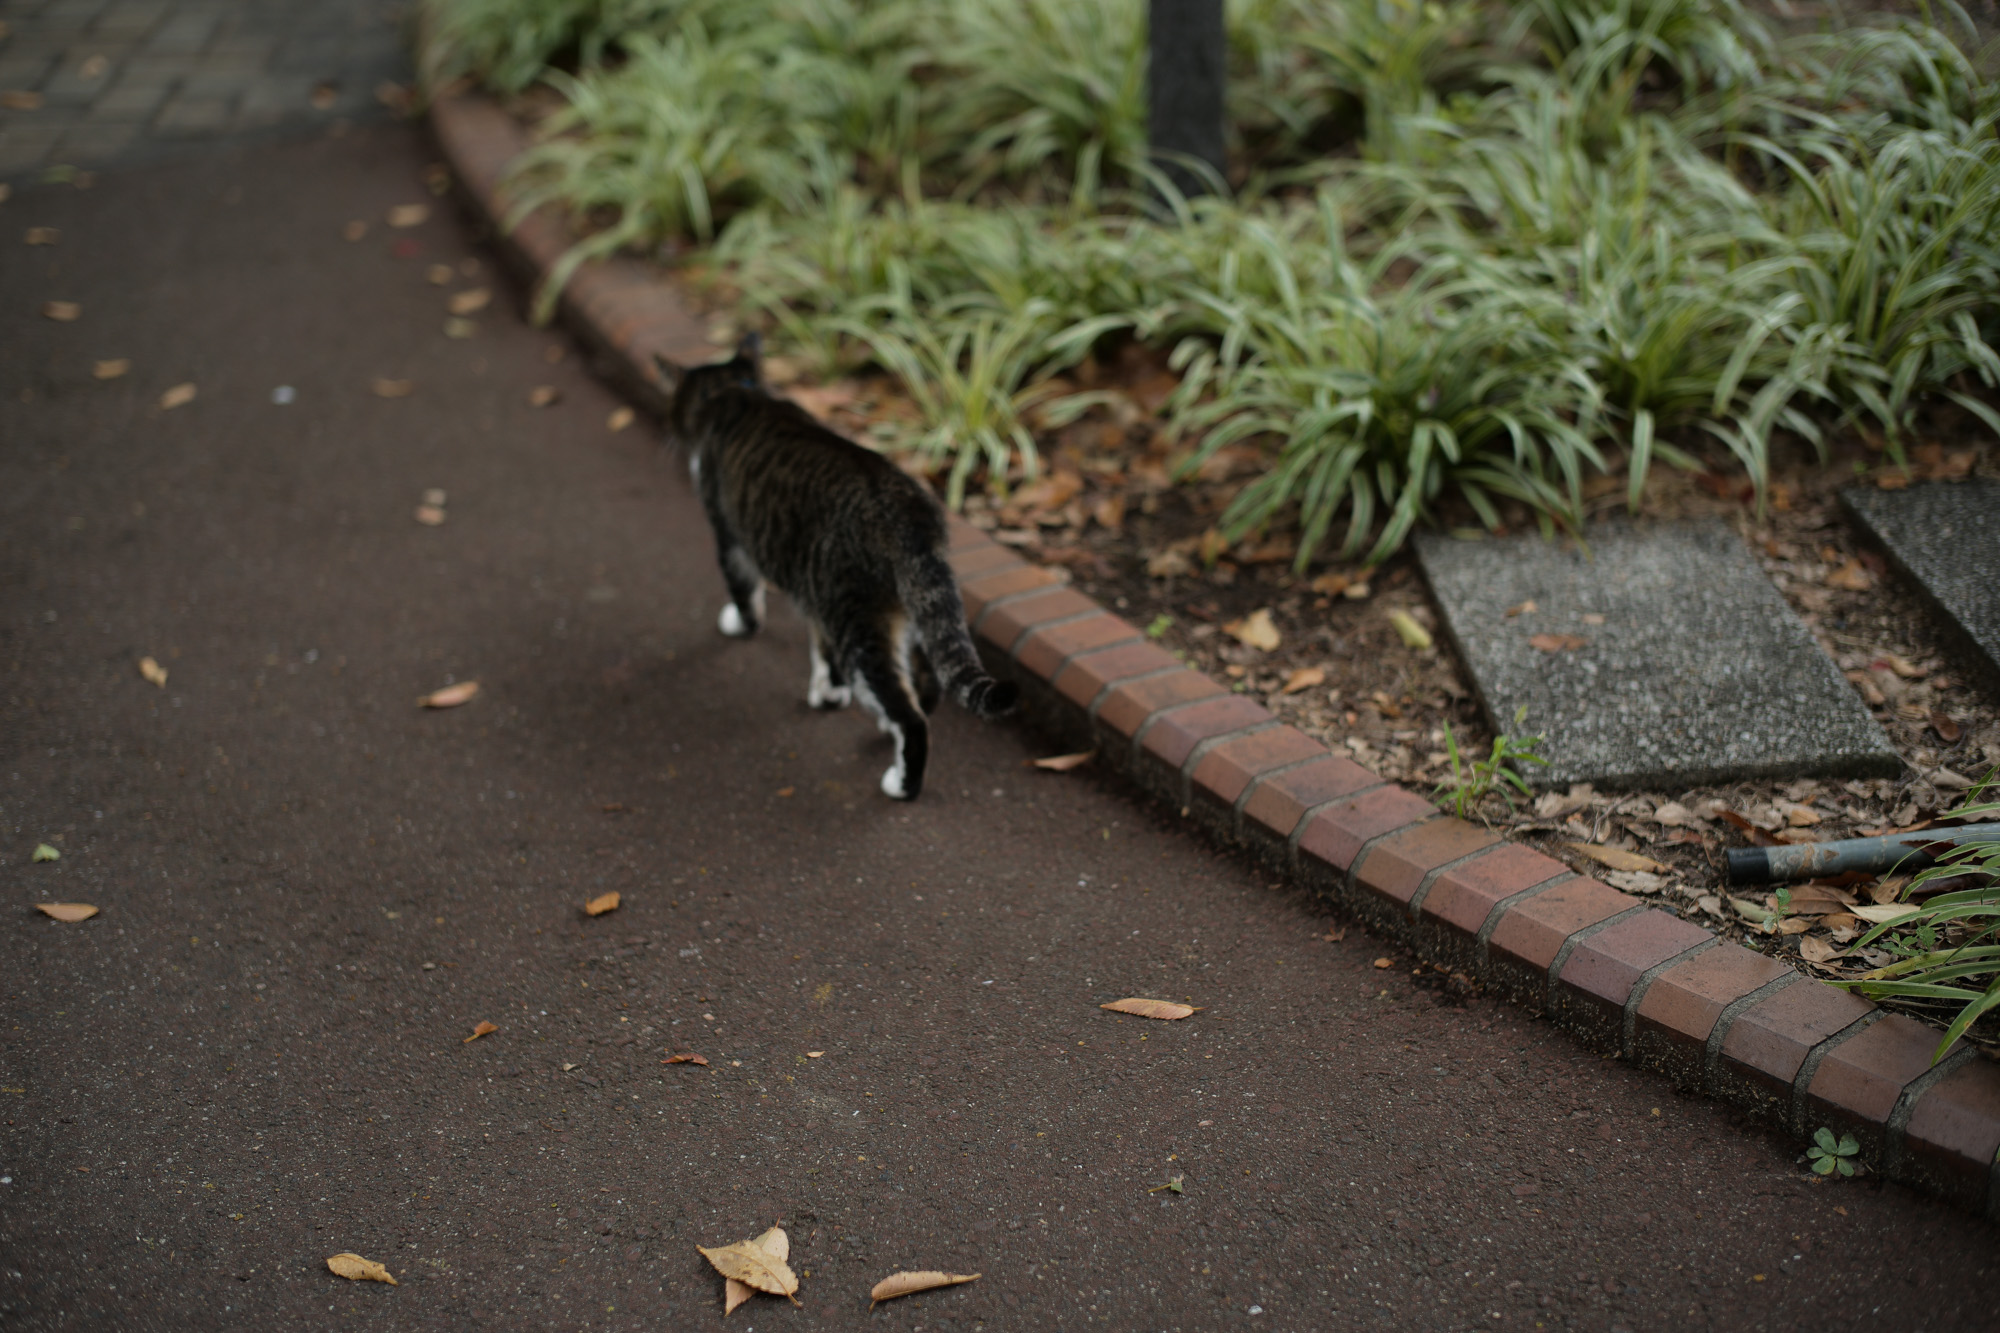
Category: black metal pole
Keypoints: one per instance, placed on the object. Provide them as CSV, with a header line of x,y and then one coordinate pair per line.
x,y
1187,55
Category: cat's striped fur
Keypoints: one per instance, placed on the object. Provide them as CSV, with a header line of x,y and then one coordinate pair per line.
x,y
855,543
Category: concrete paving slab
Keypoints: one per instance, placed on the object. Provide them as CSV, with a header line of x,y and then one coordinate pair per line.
x,y
1945,538
1661,657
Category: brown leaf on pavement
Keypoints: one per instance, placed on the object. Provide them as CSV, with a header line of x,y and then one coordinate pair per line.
x,y
409,215
1162,1009
1383,964
429,515
606,902
685,1058
1556,643
357,1269
111,369
67,911
544,395
1617,858
21,99
62,312
620,418
1852,577
482,1030
451,696
1063,763
1303,679
439,275
1525,608
752,1264
387,388
470,301
42,236
774,1243
908,1284
153,672
178,396
1255,631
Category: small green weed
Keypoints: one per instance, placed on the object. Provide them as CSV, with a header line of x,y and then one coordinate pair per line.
x,y
1471,783
1829,1155
1161,624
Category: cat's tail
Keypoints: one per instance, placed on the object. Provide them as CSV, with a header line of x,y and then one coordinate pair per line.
x,y
930,595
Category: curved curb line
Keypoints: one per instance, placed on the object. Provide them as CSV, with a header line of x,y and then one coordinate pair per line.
x,y
1596,960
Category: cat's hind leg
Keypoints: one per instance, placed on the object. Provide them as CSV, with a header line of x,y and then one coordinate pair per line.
x,y
879,673
929,690
828,686
743,614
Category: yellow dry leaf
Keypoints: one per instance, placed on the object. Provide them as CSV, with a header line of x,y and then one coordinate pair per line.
x,y
685,1058
1063,763
482,1030
1255,631
1522,609
1166,1010
153,672
62,312
178,396
908,1284
544,395
1384,963
603,903
1409,631
470,301
110,370
430,515
1801,816
1617,858
451,696
814,1055
1556,643
1815,950
357,1269
774,1243
1304,679
409,215
385,388
438,275
1850,577
67,911
750,1263
620,418
21,99
1877,913
1329,584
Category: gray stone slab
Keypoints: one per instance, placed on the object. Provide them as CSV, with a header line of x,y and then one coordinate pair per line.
x,y
1944,537
1693,670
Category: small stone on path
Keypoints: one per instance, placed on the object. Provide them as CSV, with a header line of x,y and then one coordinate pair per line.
x,y
1663,657
1945,538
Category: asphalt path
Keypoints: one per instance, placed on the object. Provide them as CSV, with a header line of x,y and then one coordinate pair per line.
x,y
312,891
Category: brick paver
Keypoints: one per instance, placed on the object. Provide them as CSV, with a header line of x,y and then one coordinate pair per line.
x,y
125,80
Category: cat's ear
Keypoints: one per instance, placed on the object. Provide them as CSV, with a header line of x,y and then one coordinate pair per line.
x,y
671,372
750,351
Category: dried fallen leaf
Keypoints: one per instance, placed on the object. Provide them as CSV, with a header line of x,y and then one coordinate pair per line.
x,y
1794,925
42,236
153,672
1382,964
606,902
1303,679
1063,763
750,1263
439,275
110,370
357,1269
1556,643
430,516
451,696
470,301
409,215
1947,730
67,911
21,99
1816,950
1412,634
1616,857
1880,912
1525,608
1802,816
1255,631
355,230
1636,881
44,852
814,1055
685,1058
774,1243
1902,666
1675,815
178,396
908,1284
482,1030
620,418
62,312
1174,1183
1329,584
1165,1010
1753,912
385,388
544,395
1852,576
1169,564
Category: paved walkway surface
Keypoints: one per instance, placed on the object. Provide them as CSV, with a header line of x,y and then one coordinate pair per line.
x,y
86,83
311,892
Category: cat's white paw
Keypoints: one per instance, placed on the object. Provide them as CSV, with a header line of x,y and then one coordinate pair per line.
x,y
828,696
892,783
730,622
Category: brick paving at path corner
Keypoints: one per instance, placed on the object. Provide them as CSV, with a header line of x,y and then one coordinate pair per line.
x,y
91,83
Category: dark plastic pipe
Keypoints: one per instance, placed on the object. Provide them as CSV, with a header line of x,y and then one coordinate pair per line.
x,y
1813,860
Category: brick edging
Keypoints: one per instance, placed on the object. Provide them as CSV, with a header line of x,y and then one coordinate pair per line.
x,y
1624,977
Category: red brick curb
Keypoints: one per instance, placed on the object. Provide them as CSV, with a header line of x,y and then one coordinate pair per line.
x,y
1623,976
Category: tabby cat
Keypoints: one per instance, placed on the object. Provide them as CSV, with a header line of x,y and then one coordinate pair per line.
x,y
855,543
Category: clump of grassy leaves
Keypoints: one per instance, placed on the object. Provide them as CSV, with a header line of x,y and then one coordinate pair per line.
x,y
1487,251
1473,780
